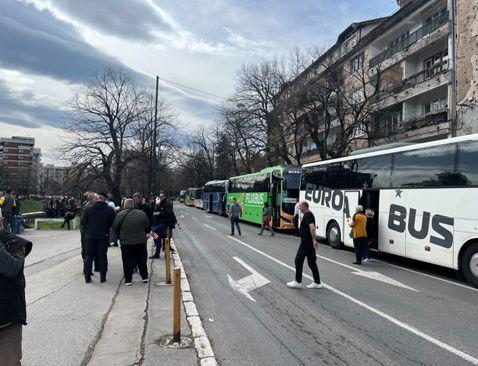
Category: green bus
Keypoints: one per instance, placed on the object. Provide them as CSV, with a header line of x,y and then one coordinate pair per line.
x,y
278,185
190,196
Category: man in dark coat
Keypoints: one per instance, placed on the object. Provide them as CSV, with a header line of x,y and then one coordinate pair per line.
x,y
13,251
163,220
90,199
97,220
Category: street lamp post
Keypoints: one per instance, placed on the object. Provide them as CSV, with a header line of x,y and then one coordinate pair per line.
x,y
152,185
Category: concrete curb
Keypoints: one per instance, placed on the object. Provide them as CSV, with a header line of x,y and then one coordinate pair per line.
x,y
201,341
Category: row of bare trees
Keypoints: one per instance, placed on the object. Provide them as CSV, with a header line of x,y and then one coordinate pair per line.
x,y
112,121
280,109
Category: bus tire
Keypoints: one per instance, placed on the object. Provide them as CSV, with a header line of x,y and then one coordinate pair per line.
x,y
469,264
333,235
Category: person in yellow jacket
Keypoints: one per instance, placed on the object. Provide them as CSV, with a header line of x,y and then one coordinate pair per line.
x,y
358,223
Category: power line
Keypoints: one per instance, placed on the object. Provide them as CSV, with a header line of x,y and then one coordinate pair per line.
x,y
191,88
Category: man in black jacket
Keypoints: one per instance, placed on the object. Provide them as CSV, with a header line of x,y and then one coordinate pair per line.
x,y
162,220
13,251
97,220
140,204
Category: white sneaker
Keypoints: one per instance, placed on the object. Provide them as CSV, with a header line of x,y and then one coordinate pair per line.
x,y
128,283
314,285
145,280
294,284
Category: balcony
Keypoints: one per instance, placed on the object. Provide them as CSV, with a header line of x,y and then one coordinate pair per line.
x,y
415,123
409,40
410,82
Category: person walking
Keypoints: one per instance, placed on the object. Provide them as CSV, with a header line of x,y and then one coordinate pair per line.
x,y
358,223
266,219
371,234
307,247
235,213
97,220
13,315
90,199
132,226
162,218
70,213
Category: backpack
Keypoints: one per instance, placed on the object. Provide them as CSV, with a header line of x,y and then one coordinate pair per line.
x,y
7,207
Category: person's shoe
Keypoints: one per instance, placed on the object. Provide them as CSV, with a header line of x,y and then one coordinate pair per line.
x,y
87,279
294,284
365,260
103,280
357,263
145,280
232,234
272,234
314,285
240,234
128,283
154,256
259,233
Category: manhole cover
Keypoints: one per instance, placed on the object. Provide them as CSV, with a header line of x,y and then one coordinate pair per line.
x,y
167,342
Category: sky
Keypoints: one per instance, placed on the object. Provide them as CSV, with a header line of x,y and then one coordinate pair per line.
x,y
50,47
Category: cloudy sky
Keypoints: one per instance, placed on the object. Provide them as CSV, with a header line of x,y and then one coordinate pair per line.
x,y
47,47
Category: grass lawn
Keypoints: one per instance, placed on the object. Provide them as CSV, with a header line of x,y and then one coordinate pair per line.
x,y
52,225
31,206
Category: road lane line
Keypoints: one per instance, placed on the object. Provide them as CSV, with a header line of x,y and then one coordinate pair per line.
x,y
195,219
210,227
374,275
381,314
412,271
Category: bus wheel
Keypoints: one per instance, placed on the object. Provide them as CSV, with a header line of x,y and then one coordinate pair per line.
x,y
333,235
469,264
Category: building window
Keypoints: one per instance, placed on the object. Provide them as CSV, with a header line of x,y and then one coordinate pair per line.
x,y
357,63
393,121
358,130
20,157
435,106
396,41
357,96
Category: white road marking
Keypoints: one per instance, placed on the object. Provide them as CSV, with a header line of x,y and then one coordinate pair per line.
x,y
181,216
209,216
381,314
195,219
248,283
370,274
413,271
210,227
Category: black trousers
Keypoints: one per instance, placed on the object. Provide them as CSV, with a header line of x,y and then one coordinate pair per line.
x,y
302,253
83,253
96,248
11,345
134,255
359,245
296,224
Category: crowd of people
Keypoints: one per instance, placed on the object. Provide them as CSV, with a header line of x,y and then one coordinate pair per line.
x,y
10,206
103,223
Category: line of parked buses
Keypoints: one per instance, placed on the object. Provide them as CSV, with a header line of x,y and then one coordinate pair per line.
x,y
423,197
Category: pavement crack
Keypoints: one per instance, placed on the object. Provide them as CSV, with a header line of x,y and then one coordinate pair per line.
x,y
92,346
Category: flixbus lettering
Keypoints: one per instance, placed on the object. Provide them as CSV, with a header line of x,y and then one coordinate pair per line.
x,y
397,222
332,198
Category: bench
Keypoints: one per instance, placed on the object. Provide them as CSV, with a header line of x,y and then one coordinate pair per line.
x,y
38,220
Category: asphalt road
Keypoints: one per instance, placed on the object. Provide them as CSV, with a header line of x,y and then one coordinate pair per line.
x,y
389,312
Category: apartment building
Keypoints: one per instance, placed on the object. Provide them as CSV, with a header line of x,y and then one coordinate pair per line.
x,y
417,82
20,163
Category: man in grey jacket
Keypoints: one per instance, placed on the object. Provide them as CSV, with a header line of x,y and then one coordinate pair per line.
x,y
132,225
13,250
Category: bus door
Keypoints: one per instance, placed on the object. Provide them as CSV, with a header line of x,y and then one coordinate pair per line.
x,y
370,202
352,199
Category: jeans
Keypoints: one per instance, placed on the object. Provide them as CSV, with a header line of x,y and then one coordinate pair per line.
x,y
235,222
366,251
7,223
264,226
302,253
134,255
161,230
11,345
96,248
17,223
359,245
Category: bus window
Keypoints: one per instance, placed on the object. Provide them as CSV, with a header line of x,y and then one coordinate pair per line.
x,y
467,171
429,167
372,172
314,175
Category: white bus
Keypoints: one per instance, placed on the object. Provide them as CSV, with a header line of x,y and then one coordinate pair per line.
x,y
425,199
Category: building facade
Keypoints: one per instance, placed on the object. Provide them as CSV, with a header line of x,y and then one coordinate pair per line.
x,y
410,77
20,164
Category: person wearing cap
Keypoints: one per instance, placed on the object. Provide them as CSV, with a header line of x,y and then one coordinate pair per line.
x,y
97,221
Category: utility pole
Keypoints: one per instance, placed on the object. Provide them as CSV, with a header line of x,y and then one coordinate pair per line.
x,y
453,69
153,173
